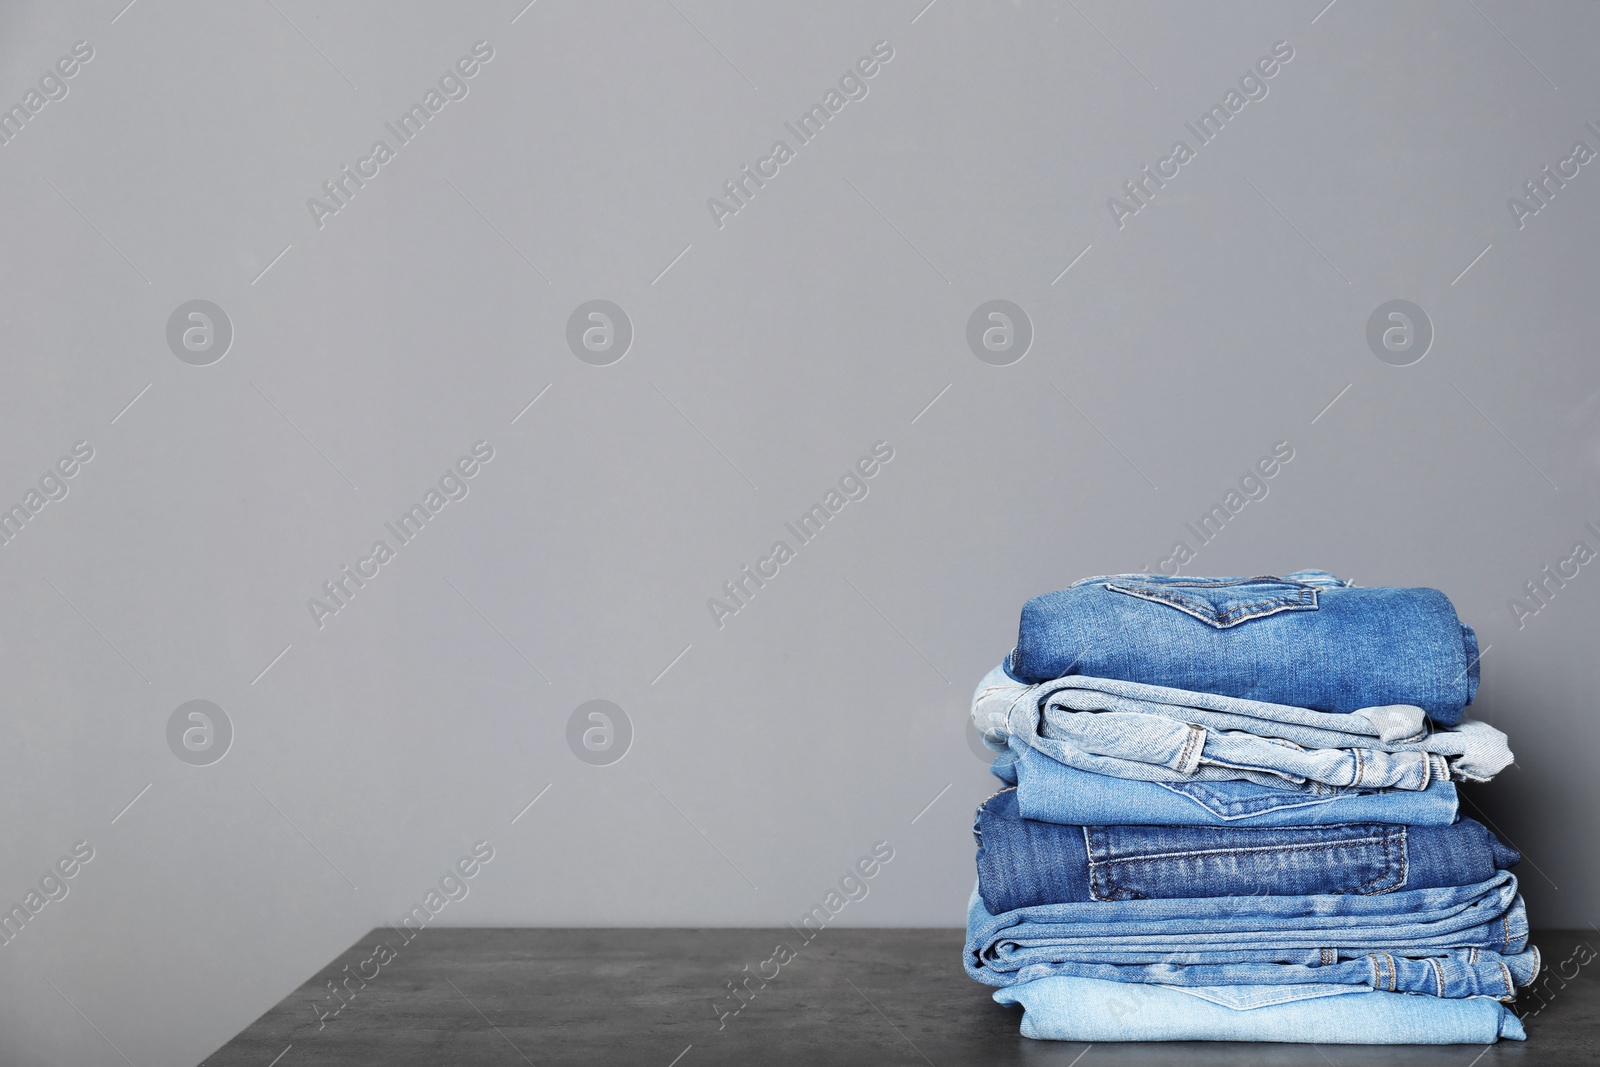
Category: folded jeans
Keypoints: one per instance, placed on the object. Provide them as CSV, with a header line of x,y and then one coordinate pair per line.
x,y
1091,1010
1026,863
1246,940
1049,790
1234,636
1161,734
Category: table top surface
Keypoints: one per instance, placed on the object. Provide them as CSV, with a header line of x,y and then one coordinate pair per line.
x,y
653,997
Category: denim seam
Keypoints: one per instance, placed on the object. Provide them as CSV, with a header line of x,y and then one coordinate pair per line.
x,y
1246,849
1185,605
1196,733
1391,854
1224,618
1511,986
1538,963
1438,974
1095,877
1245,808
1362,889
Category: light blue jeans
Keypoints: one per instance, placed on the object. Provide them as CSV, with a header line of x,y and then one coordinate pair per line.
x,y
1087,1009
1158,734
1050,791
1452,942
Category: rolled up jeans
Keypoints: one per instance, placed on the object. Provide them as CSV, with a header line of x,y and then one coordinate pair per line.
x,y
1453,942
1049,790
1026,863
1156,733
1307,640
1087,1009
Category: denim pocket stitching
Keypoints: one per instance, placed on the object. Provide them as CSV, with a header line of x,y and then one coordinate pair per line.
x,y
1304,596
1088,852
1393,840
1104,886
1236,808
1145,857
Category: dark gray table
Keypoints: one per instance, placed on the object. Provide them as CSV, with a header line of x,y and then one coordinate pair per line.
x,y
454,998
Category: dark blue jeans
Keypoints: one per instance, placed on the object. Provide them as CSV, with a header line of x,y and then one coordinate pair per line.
x,y
1307,640
1023,863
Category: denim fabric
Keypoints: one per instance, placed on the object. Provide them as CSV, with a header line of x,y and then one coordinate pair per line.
x,y
1394,940
1084,1009
1306,640
1024,863
1156,733
1049,790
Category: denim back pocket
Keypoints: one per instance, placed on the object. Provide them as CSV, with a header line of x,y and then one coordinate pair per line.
x,y
1223,602
1243,800
1163,862
1250,997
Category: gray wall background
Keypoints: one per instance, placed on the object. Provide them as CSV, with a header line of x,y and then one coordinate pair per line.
x,y
830,313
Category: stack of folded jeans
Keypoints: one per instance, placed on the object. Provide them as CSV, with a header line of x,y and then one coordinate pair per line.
x,y
1231,815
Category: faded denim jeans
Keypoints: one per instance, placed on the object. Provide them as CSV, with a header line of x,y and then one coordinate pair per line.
x,y
1049,790
1451,942
1160,734
1088,1009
